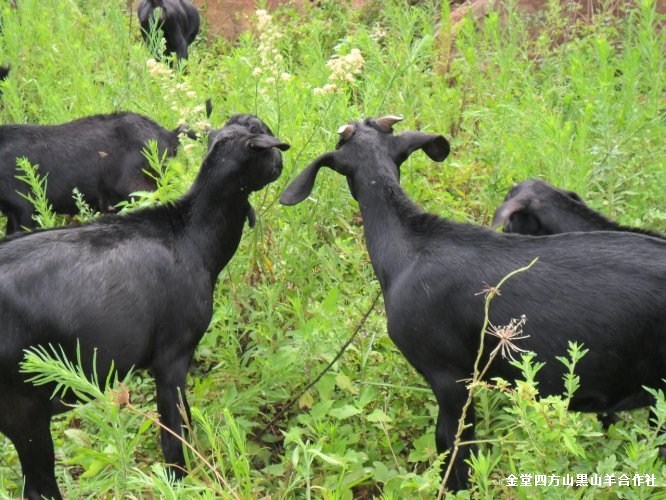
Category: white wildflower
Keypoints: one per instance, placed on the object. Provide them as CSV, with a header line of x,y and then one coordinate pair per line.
x,y
343,69
507,335
263,19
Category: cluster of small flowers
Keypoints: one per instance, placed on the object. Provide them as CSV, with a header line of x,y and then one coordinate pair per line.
x,y
158,69
378,33
594,479
270,58
343,69
179,96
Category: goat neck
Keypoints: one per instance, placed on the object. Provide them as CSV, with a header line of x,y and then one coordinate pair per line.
x,y
386,212
215,223
217,205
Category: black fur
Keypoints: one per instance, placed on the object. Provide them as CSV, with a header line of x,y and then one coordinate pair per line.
x,y
179,23
604,290
135,288
535,207
100,155
250,122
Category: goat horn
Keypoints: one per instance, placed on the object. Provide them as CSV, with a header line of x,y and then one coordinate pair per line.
x,y
387,122
346,131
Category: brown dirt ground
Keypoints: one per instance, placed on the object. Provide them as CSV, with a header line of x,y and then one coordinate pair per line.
x,y
230,18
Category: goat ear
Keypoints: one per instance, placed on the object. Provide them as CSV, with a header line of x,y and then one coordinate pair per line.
x,y
573,195
266,142
506,210
434,145
301,187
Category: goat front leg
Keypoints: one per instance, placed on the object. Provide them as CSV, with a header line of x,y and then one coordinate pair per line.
x,y
451,403
170,384
26,422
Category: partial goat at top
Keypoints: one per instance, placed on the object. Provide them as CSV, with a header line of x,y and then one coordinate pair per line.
x,y
177,20
604,290
135,289
537,208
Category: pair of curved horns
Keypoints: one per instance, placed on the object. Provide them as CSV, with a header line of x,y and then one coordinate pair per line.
x,y
385,122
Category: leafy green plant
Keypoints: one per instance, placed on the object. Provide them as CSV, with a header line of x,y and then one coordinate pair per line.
x,y
44,215
109,462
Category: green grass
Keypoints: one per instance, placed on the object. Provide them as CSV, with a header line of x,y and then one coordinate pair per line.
x,y
586,114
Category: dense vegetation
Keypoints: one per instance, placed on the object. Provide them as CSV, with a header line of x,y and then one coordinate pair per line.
x,y
579,104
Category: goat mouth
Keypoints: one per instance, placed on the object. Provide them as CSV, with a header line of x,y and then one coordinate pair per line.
x,y
276,173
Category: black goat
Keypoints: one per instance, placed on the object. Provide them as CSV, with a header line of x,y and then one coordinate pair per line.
x,y
604,290
178,20
537,208
101,155
136,289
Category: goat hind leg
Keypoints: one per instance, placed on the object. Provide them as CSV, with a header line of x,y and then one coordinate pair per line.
x,y
170,384
450,411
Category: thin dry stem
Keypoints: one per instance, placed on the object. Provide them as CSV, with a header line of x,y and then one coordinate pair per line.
x,y
179,437
477,375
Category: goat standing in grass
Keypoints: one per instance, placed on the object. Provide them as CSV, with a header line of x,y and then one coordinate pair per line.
x,y
101,155
604,290
536,208
177,20
136,289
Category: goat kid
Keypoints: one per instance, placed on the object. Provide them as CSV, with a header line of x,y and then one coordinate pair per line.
x,y
604,290
537,208
101,156
178,21
136,289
